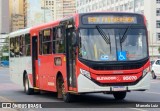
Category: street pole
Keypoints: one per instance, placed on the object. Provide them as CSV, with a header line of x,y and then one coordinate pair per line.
x,y
152,45
44,10
134,6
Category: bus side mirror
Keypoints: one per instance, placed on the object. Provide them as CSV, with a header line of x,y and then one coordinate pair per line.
x,y
74,39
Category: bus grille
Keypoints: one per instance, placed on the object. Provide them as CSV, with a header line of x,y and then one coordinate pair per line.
x,y
117,67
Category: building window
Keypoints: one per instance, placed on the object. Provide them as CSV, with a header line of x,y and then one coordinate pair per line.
x,y
126,6
112,1
158,1
158,11
158,23
158,36
121,7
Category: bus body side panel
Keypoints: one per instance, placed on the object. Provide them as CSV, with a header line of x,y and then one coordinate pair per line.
x,y
49,66
17,67
45,67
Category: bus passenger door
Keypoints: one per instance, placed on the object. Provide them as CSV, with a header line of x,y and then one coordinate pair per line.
x,y
34,59
71,57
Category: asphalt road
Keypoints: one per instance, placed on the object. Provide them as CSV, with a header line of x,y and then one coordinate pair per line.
x,y
10,92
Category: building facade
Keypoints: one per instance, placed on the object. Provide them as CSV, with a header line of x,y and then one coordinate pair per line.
x,y
59,8
69,7
4,16
150,8
16,15
25,12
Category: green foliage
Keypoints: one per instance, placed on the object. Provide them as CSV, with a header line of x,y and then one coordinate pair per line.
x,y
5,49
4,58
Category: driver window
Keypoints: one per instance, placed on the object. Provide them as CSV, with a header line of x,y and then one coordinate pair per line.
x,y
58,40
46,42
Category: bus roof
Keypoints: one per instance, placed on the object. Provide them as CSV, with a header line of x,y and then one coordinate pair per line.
x,y
19,32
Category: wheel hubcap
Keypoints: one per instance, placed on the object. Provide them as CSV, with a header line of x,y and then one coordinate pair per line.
x,y
63,89
26,85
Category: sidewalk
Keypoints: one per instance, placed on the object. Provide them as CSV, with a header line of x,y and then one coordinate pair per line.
x,y
3,67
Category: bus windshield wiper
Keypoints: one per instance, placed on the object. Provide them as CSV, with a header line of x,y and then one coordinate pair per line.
x,y
104,36
122,39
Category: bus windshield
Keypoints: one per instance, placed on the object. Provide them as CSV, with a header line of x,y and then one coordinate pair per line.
x,y
102,44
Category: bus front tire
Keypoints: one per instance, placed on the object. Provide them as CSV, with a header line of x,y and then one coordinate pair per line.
x,y
119,95
27,88
67,97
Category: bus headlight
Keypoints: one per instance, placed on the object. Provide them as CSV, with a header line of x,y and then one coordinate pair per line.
x,y
85,73
145,71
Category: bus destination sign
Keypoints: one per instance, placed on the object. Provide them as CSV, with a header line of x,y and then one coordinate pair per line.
x,y
109,19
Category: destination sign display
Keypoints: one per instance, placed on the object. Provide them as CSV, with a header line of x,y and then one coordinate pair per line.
x,y
108,19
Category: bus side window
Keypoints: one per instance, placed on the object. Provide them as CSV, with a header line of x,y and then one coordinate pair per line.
x,y
40,42
27,45
46,44
12,42
22,47
17,47
54,39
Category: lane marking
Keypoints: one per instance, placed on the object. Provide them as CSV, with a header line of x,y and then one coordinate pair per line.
x,y
138,109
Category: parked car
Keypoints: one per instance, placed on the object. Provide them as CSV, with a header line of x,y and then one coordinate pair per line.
x,y
152,62
155,70
4,63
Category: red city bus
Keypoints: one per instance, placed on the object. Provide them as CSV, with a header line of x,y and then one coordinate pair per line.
x,y
84,53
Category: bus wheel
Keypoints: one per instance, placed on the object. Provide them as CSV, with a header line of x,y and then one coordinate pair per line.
x,y
67,97
27,88
153,75
119,95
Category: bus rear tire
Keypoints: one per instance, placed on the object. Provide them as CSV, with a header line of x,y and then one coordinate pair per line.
x,y
27,88
119,95
67,97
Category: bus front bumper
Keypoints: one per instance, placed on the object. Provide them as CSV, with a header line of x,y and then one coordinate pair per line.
x,y
86,85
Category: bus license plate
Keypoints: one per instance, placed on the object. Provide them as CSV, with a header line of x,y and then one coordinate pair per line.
x,y
119,88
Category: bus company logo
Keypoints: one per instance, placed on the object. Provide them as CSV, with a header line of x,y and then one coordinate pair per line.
x,y
107,78
130,78
118,79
